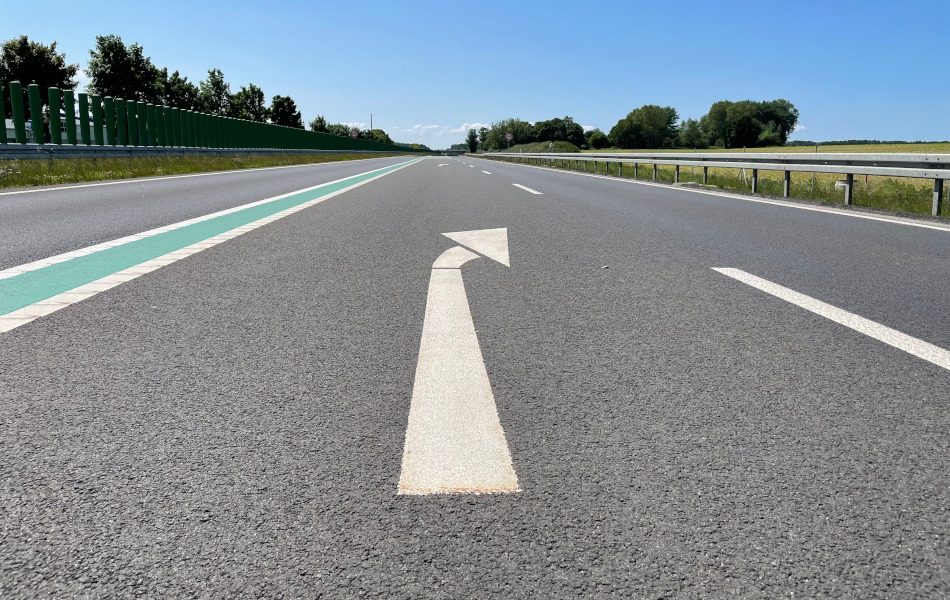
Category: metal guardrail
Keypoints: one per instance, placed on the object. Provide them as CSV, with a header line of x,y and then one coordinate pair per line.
x,y
920,166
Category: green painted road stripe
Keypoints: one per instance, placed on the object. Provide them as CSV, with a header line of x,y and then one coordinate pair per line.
x,y
34,286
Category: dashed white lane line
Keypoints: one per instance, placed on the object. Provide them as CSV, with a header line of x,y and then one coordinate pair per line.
x,y
473,166
486,172
527,189
891,337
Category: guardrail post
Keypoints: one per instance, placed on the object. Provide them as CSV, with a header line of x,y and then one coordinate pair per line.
x,y
36,113
636,169
84,119
849,189
112,124
121,123
938,197
755,181
69,105
787,187
676,175
55,120
655,166
705,174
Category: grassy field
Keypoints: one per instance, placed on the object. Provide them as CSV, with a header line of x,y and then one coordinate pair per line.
x,y
25,173
889,193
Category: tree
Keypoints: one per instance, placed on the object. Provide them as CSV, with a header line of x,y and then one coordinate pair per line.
x,y
598,140
472,141
319,124
340,129
482,136
178,92
748,123
375,135
31,62
649,126
522,133
715,124
691,134
215,94
122,71
559,130
248,104
284,112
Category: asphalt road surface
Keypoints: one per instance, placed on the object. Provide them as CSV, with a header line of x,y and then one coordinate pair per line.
x,y
232,424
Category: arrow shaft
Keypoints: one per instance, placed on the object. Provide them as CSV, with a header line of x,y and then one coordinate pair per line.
x,y
454,440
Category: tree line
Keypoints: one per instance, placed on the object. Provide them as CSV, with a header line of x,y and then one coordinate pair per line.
x,y
728,124
124,71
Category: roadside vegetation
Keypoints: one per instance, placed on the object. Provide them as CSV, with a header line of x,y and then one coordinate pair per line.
x,y
33,172
123,70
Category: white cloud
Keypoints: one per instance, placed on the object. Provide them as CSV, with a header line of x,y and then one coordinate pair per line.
x,y
355,125
588,128
466,126
799,128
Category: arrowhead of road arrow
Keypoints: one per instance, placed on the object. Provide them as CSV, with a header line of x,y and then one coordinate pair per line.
x,y
492,243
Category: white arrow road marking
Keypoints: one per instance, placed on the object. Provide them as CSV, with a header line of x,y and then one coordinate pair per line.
x,y
527,189
892,337
454,440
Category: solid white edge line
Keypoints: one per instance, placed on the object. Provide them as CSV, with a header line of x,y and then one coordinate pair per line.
x,y
52,260
527,189
783,203
892,337
22,316
184,176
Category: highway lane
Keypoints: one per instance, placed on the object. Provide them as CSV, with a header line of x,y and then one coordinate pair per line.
x,y
40,222
233,423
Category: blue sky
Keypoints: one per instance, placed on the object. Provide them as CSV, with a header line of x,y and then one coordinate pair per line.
x,y
427,71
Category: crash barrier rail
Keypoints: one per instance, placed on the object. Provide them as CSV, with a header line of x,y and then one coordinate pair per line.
x,y
108,121
920,166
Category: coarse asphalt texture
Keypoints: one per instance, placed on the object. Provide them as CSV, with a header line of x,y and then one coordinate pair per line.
x,y
232,425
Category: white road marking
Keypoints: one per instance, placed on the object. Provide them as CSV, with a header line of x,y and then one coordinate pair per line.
x,y
891,337
486,172
22,316
784,203
473,166
527,189
493,243
454,439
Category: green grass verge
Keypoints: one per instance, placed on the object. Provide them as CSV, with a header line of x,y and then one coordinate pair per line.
x,y
887,193
33,172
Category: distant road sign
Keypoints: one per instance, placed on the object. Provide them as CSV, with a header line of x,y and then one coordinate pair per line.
x,y
355,133
509,137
